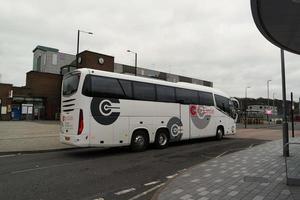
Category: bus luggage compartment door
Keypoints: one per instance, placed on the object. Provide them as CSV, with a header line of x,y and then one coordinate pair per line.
x,y
185,119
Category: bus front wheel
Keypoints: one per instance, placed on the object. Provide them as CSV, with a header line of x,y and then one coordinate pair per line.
x,y
220,133
139,141
161,139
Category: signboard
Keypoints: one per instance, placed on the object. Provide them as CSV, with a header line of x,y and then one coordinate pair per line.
x,y
24,109
27,109
278,21
268,112
3,110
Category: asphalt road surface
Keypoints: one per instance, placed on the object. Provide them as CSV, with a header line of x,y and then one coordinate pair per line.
x,y
269,126
114,173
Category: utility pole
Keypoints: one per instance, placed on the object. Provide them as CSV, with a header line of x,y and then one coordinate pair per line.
x,y
292,114
285,128
268,84
246,106
135,61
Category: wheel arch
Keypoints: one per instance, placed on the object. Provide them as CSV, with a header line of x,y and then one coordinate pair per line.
x,y
163,129
141,129
221,127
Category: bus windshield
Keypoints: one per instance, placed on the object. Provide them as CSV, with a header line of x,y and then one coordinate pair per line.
x,y
70,84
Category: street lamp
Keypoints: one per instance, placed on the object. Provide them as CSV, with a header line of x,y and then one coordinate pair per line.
x,y
268,92
135,61
78,36
246,105
273,100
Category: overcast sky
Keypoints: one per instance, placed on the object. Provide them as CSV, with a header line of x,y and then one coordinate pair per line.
x,y
211,40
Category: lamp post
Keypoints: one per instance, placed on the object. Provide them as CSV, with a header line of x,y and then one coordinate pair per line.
x,y
78,36
135,61
273,102
246,105
268,94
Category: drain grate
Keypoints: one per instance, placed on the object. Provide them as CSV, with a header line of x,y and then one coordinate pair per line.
x,y
256,179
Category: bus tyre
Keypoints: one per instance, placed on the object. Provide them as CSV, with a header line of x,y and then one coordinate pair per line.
x,y
139,141
161,139
220,133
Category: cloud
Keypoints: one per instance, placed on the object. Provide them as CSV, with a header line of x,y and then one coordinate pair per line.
x,y
215,41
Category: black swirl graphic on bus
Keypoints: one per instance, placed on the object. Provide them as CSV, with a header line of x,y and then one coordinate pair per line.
x,y
105,111
175,127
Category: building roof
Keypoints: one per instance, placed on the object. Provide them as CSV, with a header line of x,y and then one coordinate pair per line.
x,y
92,52
43,48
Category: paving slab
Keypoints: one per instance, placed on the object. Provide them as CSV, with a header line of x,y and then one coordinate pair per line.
x,y
27,136
258,173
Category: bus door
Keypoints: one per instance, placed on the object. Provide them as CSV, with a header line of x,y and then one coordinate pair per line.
x,y
185,119
201,121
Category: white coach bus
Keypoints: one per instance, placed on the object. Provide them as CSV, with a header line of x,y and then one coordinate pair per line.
x,y
105,109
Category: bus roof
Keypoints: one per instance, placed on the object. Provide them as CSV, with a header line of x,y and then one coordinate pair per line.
x,y
153,81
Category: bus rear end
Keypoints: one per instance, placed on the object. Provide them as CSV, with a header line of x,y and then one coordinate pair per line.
x,y
73,119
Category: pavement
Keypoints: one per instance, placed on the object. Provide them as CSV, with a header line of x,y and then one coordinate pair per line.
x,y
39,136
27,136
258,173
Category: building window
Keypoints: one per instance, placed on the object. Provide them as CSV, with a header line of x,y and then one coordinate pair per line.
x,y
44,59
54,59
38,64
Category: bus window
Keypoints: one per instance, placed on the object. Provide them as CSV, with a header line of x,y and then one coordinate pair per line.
x,y
127,88
106,87
70,84
165,93
223,103
144,91
206,98
185,96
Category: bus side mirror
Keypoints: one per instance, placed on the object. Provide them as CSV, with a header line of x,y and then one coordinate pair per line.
x,y
236,106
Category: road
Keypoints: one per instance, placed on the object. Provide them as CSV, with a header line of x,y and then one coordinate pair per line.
x,y
114,173
271,126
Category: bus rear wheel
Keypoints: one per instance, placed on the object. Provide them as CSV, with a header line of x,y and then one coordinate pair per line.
x,y
161,139
139,141
220,133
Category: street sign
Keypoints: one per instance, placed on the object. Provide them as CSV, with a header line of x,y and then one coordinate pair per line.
x,y
268,112
278,21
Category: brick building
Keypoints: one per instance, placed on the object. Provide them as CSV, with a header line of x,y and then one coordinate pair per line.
x,y
40,97
5,100
88,59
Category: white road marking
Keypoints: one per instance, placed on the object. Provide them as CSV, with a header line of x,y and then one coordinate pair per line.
x,y
171,176
222,154
182,170
151,183
40,168
8,155
146,192
125,191
100,198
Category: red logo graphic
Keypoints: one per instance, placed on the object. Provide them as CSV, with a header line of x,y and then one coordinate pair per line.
x,y
193,110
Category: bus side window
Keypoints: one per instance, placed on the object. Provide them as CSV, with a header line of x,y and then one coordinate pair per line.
x,y
144,91
223,103
127,88
185,96
206,98
165,93
106,87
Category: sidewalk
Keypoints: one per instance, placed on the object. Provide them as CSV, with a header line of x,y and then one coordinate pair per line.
x,y
20,136
257,173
